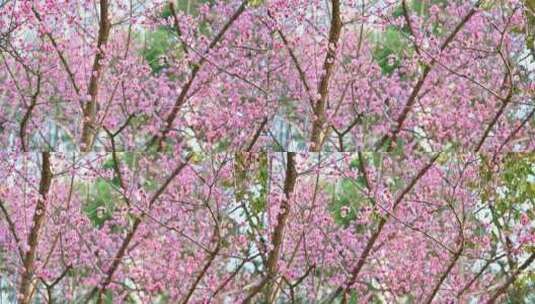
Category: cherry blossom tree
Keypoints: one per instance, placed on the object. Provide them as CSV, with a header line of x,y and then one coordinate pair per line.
x,y
267,151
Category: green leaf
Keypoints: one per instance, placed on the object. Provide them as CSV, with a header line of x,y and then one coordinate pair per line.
x,y
346,200
354,299
158,44
256,3
100,204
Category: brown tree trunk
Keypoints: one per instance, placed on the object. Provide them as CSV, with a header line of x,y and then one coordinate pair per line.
x,y
89,127
318,123
25,290
278,232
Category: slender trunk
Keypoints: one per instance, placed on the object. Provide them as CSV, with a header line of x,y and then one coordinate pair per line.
x,y
278,233
90,107
318,123
25,291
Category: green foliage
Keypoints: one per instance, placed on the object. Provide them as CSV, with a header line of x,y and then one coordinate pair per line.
x,y
259,202
390,46
353,298
530,22
108,297
345,202
421,7
100,202
158,44
250,187
517,186
102,195
251,180
523,290
128,158
510,196
164,39
347,194
256,3
191,7
393,43
222,145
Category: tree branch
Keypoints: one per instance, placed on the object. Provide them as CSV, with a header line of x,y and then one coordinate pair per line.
x,y
323,90
445,274
90,107
371,242
130,235
511,279
416,90
182,97
278,232
33,238
27,115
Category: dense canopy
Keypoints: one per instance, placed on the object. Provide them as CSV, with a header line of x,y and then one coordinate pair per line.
x,y
267,151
